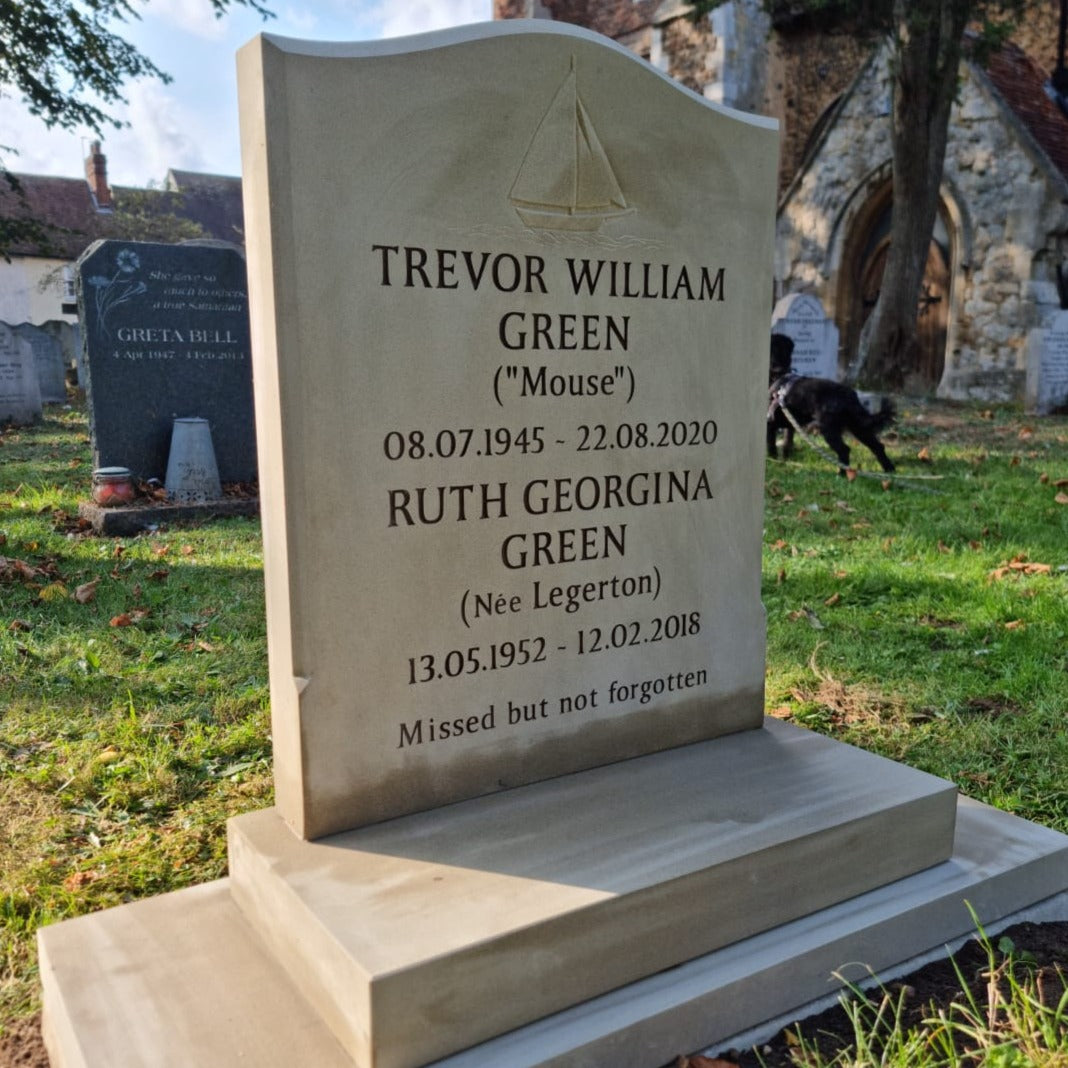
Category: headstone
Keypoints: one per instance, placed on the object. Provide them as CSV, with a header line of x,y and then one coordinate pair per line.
x,y
800,316
20,394
48,358
165,337
1047,367
69,338
511,438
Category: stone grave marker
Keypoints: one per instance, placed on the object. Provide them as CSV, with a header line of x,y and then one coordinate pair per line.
x,y
800,316
510,343
520,408
48,358
1047,366
20,394
69,337
165,335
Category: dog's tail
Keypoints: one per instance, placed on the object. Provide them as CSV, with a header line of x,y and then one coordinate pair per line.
x,y
880,420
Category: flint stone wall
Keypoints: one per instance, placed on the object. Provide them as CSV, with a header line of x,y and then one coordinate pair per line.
x,y
1005,206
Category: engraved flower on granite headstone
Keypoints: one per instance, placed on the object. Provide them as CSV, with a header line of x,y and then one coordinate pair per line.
x,y
111,292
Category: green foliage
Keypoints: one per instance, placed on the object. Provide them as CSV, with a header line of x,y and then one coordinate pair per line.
x,y
915,621
929,621
1019,1021
60,57
149,215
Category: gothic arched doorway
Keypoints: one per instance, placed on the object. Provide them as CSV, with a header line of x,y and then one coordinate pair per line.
x,y
864,263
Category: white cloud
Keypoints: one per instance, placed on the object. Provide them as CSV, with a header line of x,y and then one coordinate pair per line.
x,y
31,148
420,16
163,133
196,17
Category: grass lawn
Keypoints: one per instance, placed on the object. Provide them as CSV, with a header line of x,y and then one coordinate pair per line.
x,y
927,621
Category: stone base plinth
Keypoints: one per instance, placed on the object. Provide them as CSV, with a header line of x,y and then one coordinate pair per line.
x,y
547,916
123,522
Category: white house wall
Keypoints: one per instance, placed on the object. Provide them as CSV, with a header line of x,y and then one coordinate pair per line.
x,y
32,290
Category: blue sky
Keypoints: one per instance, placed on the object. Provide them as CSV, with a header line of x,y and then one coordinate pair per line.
x,y
191,124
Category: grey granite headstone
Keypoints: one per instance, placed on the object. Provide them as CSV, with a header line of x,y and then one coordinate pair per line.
x,y
48,359
815,337
20,395
70,342
166,337
1047,366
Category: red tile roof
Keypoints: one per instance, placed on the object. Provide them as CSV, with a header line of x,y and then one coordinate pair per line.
x,y
71,222
1022,85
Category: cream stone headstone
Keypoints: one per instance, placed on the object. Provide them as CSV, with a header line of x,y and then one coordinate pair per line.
x,y
20,393
801,317
510,396
1047,366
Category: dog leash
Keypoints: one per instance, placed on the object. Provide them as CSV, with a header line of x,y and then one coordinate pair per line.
x,y
883,476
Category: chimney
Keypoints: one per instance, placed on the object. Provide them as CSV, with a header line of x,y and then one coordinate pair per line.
x,y
96,174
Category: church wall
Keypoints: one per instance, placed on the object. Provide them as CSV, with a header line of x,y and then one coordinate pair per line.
x,y
1005,208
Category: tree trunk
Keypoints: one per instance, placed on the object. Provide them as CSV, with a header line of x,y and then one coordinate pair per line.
x,y
924,66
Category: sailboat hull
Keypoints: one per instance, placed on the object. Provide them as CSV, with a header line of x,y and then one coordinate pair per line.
x,y
575,219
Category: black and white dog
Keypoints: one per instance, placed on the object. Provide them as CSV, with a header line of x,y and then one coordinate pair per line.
x,y
831,406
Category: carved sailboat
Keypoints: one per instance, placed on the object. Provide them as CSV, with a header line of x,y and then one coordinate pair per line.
x,y
565,181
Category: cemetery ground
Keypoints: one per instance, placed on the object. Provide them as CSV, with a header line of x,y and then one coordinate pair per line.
x,y
925,620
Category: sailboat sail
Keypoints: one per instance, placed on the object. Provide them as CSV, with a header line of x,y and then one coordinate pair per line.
x,y
565,181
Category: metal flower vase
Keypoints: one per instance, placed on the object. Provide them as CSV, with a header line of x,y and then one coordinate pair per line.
x,y
192,473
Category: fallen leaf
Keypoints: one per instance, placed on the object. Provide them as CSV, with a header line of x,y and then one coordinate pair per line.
x,y
1014,462
1043,478
107,756
1061,498
119,549
780,544
885,484
160,550
19,624
54,591
121,620
787,498
780,578
76,880
1061,483
188,550
159,574
851,475
205,647
1015,624
84,593
1026,432
924,455
943,547
841,574
832,600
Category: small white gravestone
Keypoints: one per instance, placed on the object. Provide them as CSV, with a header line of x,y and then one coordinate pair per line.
x,y
48,359
20,393
1047,366
800,317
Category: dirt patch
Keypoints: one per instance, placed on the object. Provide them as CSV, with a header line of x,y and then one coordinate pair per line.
x,y
929,989
21,1045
